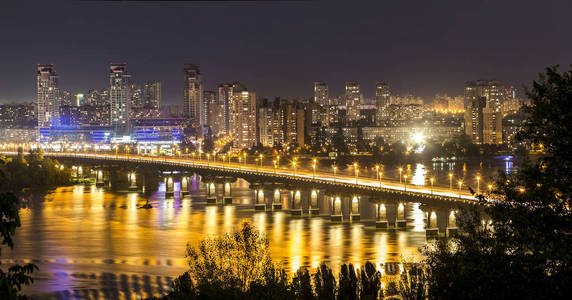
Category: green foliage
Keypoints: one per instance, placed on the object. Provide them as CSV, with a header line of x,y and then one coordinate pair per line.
x,y
229,263
348,283
324,283
11,282
301,287
413,283
370,282
526,252
32,171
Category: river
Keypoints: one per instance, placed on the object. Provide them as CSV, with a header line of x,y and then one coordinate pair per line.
x,y
90,242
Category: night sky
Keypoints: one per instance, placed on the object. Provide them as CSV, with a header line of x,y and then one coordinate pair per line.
x,y
280,48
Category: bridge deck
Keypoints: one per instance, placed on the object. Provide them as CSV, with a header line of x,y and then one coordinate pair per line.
x,y
299,174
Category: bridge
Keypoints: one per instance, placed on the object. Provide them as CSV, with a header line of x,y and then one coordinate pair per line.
x,y
238,169
303,185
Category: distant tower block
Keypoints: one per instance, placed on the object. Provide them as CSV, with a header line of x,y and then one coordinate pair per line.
x,y
277,200
211,193
296,207
314,209
132,181
336,212
354,209
169,187
259,202
227,193
185,182
381,216
99,178
401,222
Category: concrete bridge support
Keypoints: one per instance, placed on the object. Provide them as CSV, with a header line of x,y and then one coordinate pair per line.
x,y
211,192
259,200
381,216
401,221
452,223
169,186
227,193
336,209
354,208
431,225
277,199
296,203
185,185
99,178
132,178
313,208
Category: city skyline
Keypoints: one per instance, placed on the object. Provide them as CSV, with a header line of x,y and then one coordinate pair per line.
x,y
266,58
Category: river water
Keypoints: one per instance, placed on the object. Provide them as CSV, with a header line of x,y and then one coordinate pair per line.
x,y
90,242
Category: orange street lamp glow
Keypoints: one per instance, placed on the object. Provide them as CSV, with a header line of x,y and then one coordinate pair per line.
x,y
432,180
450,181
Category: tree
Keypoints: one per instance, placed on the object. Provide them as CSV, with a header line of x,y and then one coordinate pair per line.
x,y
370,282
11,282
348,283
230,262
324,283
301,286
526,251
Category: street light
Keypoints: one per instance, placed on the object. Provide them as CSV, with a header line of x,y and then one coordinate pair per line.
x,y
278,161
261,156
432,180
405,182
274,163
400,172
377,171
380,175
356,171
314,170
451,181
490,186
478,185
335,169
294,166
460,184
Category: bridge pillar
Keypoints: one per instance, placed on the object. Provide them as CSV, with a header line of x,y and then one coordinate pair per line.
x,y
336,209
185,183
169,187
77,172
99,178
132,177
296,203
226,193
259,201
277,200
452,223
401,221
354,208
211,193
314,209
381,216
431,228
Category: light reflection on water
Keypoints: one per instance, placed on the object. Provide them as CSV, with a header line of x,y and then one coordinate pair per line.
x,y
89,239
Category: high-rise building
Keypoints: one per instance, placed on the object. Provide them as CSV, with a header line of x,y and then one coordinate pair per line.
x,y
244,119
48,96
382,98
353,101
152,94
119,98
193,95
135,95
321,93
483,116
215,112
225,98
